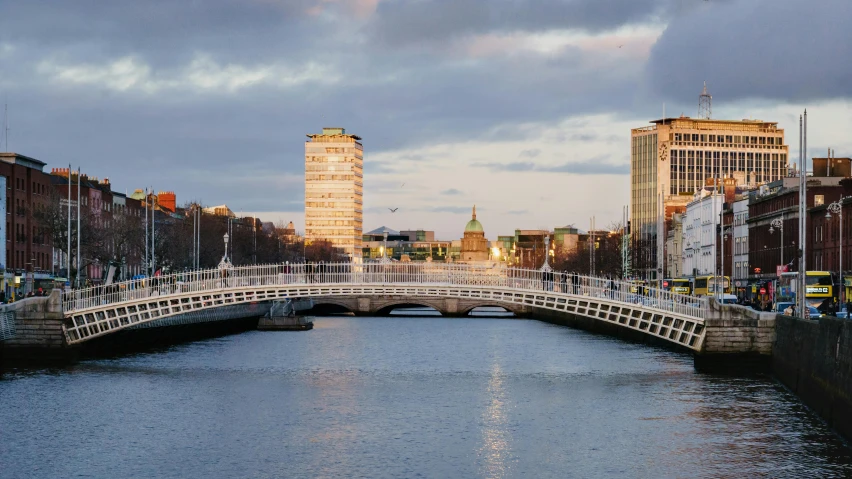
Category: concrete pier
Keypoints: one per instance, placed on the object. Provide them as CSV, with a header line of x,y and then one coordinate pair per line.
x,y
295,323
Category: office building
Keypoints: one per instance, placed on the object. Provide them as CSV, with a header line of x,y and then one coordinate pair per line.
x,y
673,158
334,190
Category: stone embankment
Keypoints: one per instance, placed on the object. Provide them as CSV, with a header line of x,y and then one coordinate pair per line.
x,y
814,360
38,329
736,337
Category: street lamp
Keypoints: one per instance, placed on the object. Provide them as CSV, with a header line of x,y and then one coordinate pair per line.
x,y
546,266
837,208
778,224
225,263
724,235
385,248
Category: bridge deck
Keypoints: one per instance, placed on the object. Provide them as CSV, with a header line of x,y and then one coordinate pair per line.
x,y
98,311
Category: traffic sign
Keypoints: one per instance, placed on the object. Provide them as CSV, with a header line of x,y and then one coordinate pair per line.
x,y
762,290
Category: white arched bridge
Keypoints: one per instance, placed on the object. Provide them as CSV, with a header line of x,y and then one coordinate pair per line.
x,y
98,311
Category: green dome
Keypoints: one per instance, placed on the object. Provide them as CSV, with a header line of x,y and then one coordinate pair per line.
x,y
473,226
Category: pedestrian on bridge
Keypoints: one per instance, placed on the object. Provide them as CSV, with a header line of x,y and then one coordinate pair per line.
x,y
563,280
575,280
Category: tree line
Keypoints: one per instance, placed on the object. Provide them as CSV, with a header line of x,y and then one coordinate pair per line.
x,y
119,239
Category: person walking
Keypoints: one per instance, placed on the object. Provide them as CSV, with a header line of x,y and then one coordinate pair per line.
x,y
563,279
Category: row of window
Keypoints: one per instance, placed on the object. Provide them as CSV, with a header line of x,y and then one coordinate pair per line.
x,y
728,139
331,149
39,261
37,189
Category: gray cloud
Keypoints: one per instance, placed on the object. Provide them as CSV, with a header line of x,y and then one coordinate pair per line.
x,y
449,209
431,21
515,166
584,137
451,192
592,166
532,153
517,212
775,49
209,143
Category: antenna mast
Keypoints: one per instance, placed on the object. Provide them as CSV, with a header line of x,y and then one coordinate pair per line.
x,y
705,104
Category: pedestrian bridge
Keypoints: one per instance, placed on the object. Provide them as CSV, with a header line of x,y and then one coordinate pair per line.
x,y
98,311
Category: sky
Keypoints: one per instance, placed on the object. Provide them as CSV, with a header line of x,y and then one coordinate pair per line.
x,y
521,107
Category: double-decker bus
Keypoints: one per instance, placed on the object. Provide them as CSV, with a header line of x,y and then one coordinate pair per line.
x,y
678,285
710,285
818,287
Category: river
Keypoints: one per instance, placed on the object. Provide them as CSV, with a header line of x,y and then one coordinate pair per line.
x,y
402,397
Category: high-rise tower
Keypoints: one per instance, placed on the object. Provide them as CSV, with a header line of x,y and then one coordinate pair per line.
x,y
334,190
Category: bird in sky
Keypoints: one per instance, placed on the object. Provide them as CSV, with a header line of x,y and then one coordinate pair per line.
x,y
393,210
620,46
402,185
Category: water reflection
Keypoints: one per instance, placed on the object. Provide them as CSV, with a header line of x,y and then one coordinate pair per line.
x,y
496,438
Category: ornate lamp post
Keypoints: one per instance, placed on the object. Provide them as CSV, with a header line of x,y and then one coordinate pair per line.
x,y
546,266
778,224
385,249
724,235
837,208
226,262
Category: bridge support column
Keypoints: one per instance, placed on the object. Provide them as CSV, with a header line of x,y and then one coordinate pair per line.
x,y
451,307
364,308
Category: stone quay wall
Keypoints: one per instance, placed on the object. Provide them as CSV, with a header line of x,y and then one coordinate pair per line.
x,y
38,328
733,334
814,360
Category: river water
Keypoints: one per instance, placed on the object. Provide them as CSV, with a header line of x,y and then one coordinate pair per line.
x,y
403,397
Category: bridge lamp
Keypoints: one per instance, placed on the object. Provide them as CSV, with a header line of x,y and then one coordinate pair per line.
x,y
226,237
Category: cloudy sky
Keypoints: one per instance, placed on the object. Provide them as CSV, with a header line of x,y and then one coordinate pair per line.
x,y
522,107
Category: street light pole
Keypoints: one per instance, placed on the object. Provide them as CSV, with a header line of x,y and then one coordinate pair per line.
x,y
837,208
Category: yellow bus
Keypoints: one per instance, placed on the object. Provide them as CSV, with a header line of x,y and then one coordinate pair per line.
x,y
818,287
638,286
678,285
707,285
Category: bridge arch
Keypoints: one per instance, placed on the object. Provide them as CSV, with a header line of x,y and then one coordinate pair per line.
x,y
387,309
505,307
331,306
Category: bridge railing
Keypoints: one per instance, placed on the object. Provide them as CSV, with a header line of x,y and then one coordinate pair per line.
x,y
420,274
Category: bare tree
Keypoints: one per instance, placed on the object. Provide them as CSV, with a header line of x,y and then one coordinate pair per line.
x,y
52,218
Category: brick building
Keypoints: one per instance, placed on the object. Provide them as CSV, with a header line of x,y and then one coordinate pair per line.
x,y
28,247
780,200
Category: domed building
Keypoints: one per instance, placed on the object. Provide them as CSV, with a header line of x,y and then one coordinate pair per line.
x,y
474,246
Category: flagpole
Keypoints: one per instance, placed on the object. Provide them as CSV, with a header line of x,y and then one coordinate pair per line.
x,y
145,260
79,200
68,254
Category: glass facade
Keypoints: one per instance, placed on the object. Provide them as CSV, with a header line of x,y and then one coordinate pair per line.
x,y
334,190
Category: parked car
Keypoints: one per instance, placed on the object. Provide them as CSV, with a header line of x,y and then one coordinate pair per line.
x,y
814,313
729,299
